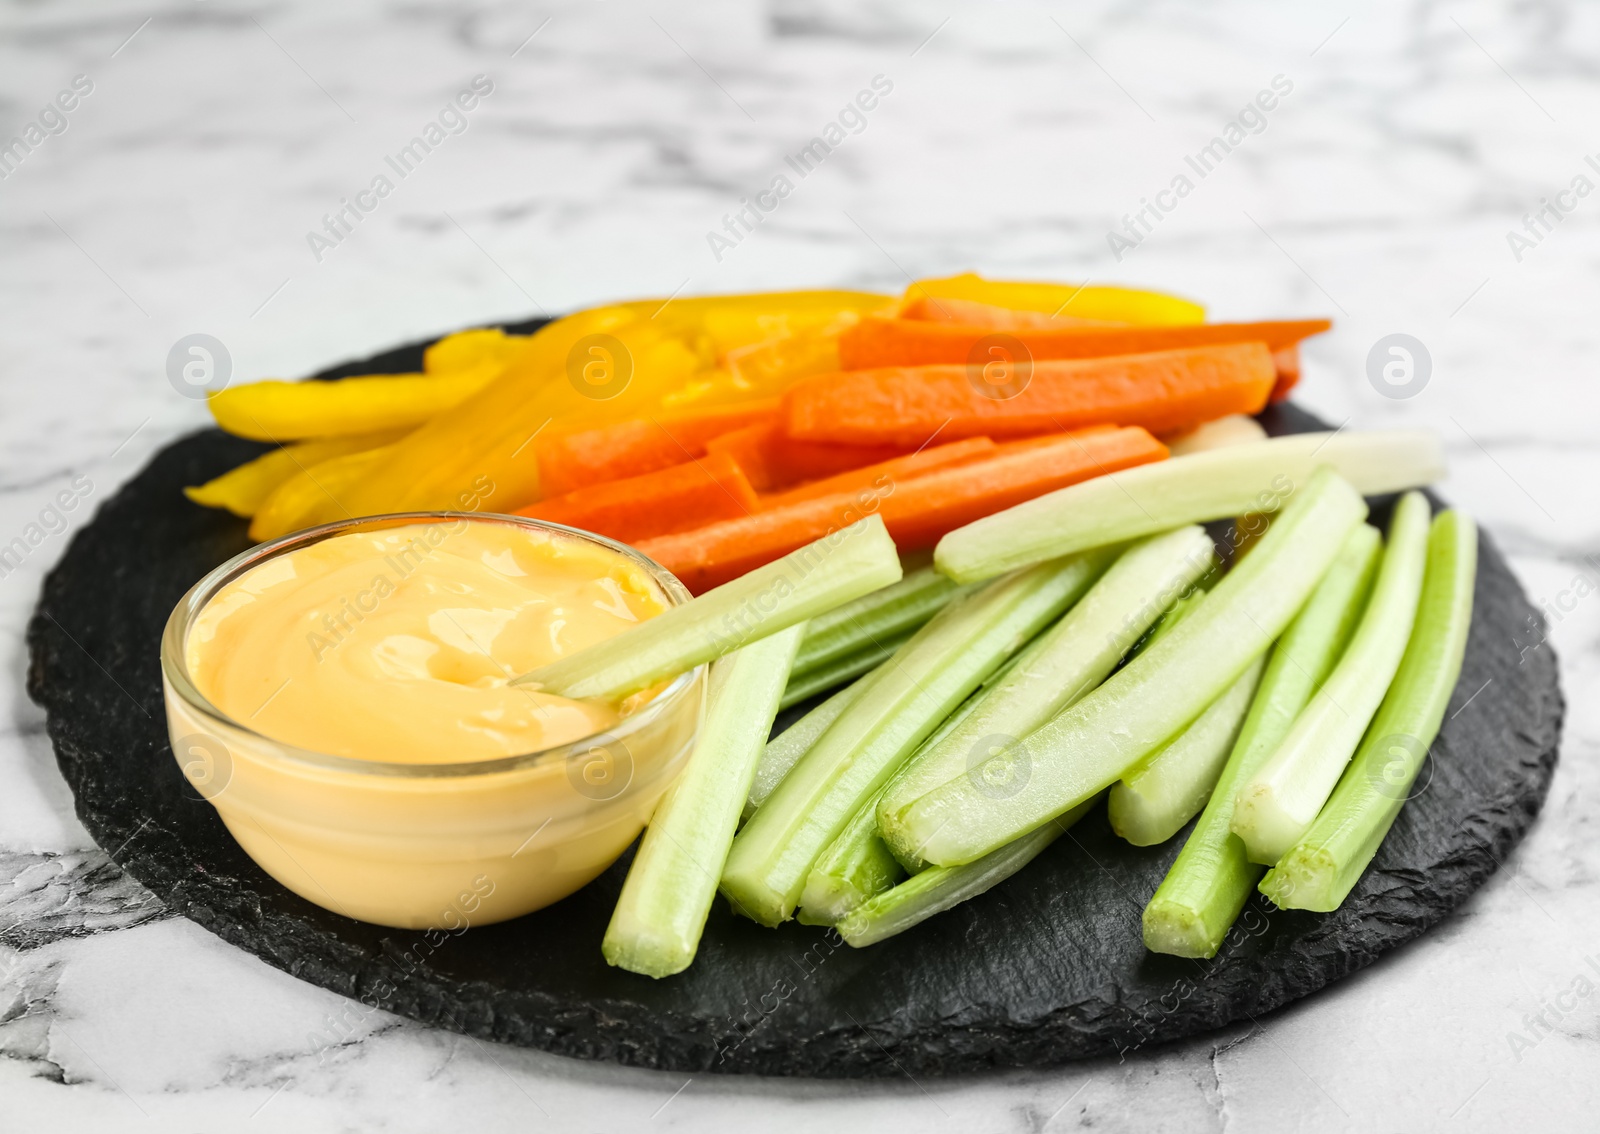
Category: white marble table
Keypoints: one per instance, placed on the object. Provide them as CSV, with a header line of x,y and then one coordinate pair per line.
x,y
1380,189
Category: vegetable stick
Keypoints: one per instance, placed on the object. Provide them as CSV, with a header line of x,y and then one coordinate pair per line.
x,y
810,581
784,750
244,489
837,672
1286,363
1078,301
1320,870
467,349
773,460
1207,886
1277,805
972,313
685,496
928,678
1084,749
1220,433
1214,485
853,868
878,341
886,472
940,888
315,489
286,411
1072,658
656,926
1163,392
638,445
1153,800
896,609
916,512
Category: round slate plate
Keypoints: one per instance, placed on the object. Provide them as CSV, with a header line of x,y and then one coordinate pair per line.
x,y
1045,968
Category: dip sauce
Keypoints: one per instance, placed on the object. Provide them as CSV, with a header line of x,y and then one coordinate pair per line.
x,y
398,644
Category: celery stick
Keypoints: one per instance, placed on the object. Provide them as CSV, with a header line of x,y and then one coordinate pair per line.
x,y
785,749
1174,614
1279,802
1073,657
1087,747
884,615
940,888
1207,886
656,926
931,675
1168,788
805,685
855,866
1204,486
1319,871
820,576
1235,429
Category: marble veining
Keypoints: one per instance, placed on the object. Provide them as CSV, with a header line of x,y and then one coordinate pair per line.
x,y
1017,137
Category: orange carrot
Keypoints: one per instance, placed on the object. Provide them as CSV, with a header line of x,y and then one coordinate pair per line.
x,y
637,445
668,500
1162,392
917,511
946,309
772,460
1286,361
877,341
895,469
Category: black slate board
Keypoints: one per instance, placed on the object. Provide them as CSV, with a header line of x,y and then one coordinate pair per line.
x,y
1047,967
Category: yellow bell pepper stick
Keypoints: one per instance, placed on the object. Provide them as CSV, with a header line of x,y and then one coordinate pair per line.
x,y
1112,304
244,489
287,411
465,350
312,496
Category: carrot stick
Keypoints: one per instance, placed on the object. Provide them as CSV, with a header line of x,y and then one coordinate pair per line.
x,y
1163,392
972,313
917,511
897,468
637,445
774,461
877,341
685,496
1286,361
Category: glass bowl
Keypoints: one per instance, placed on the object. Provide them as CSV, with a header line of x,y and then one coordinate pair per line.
x,y
428,846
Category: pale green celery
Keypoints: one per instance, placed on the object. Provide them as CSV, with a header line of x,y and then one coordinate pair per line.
x,y
1202,894
855,866
803,686
940,888
1277,804
785,749
1087,747
1318,872
925,681
836,569
1169,787
1174,614
1071,658
656,926
884,615
1213,485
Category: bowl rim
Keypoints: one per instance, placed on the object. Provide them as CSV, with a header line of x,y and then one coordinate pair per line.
x,y
175,671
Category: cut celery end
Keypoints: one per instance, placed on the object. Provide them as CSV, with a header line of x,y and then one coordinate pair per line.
x,y
940,888
656,926
1274,809
820,576
924,682
1221,433
1209,883
1085,748
856,866
1070,659
803,686
784,750
892,613
1214,485
1319,871
1152,802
